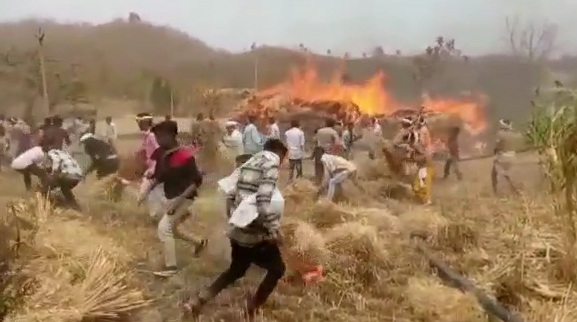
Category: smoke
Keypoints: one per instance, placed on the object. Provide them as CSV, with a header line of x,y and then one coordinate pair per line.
x,y
353,26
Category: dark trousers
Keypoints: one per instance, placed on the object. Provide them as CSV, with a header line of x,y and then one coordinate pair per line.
x,y
66,185
28,172
452,162
295,166
265,255
106,167
319,171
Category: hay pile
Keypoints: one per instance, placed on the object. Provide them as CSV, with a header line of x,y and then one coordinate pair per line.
x,y
371,262
81,274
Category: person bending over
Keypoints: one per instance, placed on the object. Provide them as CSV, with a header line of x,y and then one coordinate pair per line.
x,y
28,164
102,155
336,170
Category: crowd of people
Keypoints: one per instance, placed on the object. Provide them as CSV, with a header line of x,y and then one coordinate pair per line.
x,y
172,178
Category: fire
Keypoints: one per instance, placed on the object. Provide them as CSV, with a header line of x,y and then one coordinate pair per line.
x,y
372,98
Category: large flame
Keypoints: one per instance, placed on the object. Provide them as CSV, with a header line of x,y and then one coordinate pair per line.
x,y
372,98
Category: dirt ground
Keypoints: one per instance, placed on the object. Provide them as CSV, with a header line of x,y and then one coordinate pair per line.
x,y
131,229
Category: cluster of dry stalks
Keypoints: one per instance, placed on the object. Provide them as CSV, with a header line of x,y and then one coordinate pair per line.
x,y
373,269
80,274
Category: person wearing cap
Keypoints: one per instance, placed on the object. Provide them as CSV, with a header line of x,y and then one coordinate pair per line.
x,y
176,170
102,155
233,141
505,144
258,243
63,170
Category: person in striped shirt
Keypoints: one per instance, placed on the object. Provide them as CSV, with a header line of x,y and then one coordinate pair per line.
x,y
257,243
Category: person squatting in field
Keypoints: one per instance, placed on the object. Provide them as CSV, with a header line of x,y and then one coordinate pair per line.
x,y
176,170
336,170
102,155
258,242
28,164
64,172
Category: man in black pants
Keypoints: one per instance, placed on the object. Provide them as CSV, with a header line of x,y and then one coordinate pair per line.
x,y
102,155
257,243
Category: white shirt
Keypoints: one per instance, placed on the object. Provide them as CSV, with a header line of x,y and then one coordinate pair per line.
x,y
29,157
295,140
377,130
274,131
333,163
233,142
110,132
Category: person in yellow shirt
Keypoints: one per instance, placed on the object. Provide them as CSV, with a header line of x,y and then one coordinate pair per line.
x,y
423,153
336,171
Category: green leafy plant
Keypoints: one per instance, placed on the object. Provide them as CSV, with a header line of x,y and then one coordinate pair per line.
x,y
553,130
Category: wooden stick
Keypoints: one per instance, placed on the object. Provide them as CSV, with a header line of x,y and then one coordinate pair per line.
x,y
489,304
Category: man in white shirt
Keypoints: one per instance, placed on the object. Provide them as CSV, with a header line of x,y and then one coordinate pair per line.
x,y
295,140
378,135
336,170
28,164
233,140
273,129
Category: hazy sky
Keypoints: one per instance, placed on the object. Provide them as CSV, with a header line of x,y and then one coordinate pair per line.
x,y
341,25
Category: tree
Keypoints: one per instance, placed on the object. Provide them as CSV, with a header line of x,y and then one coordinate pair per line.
x,y
329,52
434,60
531,40
364,55
378,51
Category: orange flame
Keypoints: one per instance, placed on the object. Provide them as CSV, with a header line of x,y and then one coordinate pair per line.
x,y
372,97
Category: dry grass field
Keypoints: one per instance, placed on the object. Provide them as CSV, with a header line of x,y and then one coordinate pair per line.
x,y
96,265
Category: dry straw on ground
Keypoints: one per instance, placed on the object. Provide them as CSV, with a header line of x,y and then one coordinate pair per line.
x,y
82,274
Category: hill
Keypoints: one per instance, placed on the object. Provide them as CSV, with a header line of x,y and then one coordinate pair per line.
x,y
122,59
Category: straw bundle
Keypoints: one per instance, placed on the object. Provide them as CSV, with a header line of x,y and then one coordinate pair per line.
x,y
432,302
132,166
422,221
300,191
325,214
304,244
359,252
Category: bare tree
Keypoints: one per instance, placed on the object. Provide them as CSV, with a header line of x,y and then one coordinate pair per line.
x,y
378,51
531,40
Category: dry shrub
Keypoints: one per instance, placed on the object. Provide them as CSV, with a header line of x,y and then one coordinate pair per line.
x,y
305,246
324,214
132,166
423,222
431,301
299,191
15,283
458,237
359,252
109,188
83,278
210,156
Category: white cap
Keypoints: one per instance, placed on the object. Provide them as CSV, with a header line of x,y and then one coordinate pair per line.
x,y
230,123
86,136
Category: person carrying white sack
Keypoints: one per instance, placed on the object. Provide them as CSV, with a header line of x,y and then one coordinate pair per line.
x,y
336,170
254,208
